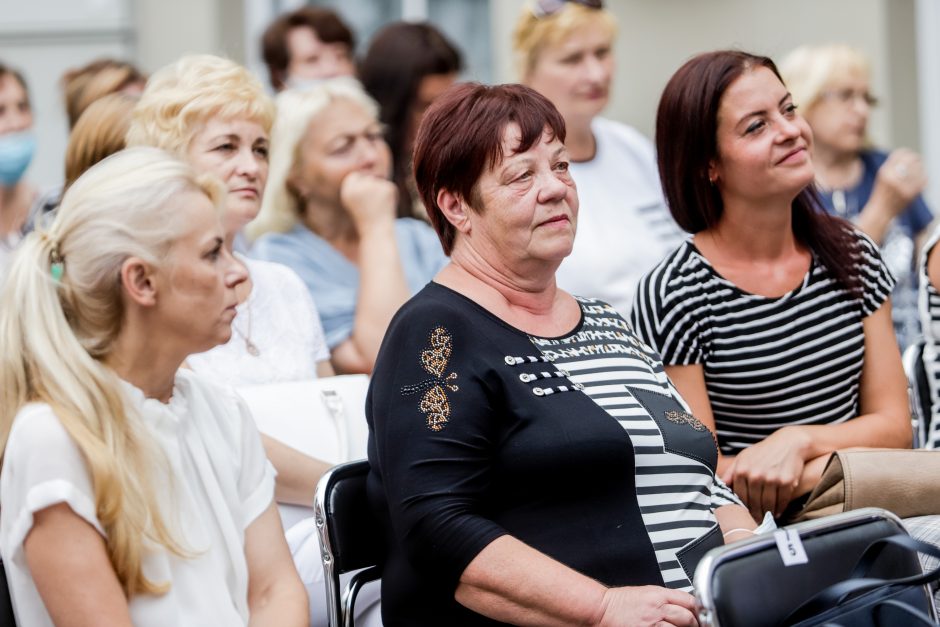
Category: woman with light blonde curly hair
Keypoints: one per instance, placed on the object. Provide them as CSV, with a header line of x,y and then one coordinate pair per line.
x,y
214,113
132,491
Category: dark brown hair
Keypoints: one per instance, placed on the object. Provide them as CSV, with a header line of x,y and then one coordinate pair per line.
x,y
326,24
462,134
399,57
687,142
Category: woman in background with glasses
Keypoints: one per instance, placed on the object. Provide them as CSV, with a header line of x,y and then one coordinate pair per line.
x,y
565,52
878,191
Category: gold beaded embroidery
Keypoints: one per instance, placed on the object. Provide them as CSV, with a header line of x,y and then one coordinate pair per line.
x,y
683,418
434,360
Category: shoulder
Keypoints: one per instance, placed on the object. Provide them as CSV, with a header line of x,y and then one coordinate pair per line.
x,y
297,241
37,428
414,229
272,276
199,392
684,267
873,159
436,303
865,247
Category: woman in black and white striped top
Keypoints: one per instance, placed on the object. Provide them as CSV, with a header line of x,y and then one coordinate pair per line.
x,y
774,319
929,307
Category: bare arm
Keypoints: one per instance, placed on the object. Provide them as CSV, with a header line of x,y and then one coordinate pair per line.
x,y
512,582
733,519
898,182
297,473
276,597
325,369
790,461
382,285
70,566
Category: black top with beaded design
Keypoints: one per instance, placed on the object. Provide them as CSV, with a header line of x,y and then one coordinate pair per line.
x,y
578,446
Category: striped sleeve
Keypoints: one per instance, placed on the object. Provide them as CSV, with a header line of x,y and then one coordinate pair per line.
x,y
876,279
722,495
665,310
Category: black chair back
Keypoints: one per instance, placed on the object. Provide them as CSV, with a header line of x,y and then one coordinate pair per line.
x,y
351,537
746,584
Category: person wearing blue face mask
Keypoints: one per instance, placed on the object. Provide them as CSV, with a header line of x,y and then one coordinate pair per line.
x,y
17,145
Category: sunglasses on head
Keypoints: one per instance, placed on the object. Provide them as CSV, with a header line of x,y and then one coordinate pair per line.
x,y
544,8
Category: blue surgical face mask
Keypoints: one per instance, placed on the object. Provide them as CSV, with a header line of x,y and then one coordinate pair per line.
x,y
16,151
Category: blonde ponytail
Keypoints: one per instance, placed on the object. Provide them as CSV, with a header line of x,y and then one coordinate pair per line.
x,y
60,312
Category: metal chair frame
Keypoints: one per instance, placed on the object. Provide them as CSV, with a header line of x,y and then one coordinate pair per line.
x,y
341,601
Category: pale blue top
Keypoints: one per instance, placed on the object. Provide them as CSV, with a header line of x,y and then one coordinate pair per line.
x,y
333,280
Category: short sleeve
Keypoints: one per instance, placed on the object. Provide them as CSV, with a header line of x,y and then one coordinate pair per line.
x,y
433,442
256,475
42,466
665,315
875,280
722,495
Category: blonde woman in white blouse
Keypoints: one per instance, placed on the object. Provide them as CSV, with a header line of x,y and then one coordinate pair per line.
x,y
133,492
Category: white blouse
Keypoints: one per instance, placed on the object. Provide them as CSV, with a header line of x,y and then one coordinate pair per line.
x,y
280,319
218,483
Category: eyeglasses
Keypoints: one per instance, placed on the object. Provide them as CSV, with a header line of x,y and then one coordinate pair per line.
x,y
847,97
544,8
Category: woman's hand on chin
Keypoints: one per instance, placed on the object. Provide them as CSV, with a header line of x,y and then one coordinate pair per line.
x,y
641,606
766,475
369,199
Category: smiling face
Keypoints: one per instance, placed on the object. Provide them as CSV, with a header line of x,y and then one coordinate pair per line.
x,y
196,286
237,152
341,139
526,206
575,73
763,143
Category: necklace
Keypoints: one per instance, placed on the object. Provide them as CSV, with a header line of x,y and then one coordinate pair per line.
x,y
250,346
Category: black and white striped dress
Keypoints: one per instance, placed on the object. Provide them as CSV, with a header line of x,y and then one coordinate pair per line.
x,y
768,362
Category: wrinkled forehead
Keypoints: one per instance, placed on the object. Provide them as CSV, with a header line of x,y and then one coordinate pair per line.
x,y
514,144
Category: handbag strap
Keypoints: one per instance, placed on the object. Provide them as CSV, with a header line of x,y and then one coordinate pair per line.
x,y
836,593
873,551
910,613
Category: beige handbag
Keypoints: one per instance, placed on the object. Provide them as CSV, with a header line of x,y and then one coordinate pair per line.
x,y
903,481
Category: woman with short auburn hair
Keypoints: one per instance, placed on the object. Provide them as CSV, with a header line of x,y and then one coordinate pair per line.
x,y
133,492
530,460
